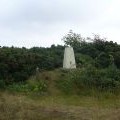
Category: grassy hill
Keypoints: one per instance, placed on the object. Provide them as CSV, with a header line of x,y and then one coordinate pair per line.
x,y
54,103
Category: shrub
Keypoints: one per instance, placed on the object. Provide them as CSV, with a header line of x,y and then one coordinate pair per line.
x,y
2,84
39,86
101,79
103,60
90,77
26,87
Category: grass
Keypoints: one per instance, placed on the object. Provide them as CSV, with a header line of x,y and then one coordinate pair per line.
x,y
55,105
37,107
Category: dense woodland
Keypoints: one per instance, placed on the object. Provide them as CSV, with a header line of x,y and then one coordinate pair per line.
x,y
18,64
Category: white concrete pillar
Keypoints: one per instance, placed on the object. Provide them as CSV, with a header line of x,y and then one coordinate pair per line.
x,y
69,58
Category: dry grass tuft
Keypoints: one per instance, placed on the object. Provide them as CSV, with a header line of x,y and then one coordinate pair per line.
x,y
21,107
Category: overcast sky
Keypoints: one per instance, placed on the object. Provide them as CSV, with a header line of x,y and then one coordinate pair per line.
x,y
44,22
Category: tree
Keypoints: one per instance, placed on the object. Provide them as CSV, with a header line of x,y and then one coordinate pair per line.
x,y
73,39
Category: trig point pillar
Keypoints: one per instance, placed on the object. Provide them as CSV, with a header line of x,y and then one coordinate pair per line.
x,y
69,58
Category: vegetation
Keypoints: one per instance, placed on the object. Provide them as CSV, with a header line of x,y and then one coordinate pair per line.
x,y
87,80
18,64
98,66
55,105
46,91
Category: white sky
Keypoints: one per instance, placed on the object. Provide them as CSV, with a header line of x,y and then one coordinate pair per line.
x,y
44,22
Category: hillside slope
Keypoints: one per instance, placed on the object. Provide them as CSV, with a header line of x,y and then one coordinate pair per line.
x,y
57,105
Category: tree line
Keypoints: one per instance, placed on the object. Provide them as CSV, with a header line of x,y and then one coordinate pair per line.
x,y
18,64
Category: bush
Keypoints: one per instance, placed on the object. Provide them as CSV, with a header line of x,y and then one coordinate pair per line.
x,y
39,86
90,78
103,60
26,87
101,79
2,84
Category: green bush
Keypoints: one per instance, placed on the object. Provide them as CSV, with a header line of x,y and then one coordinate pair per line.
x,y
90,78
26,87
19,87
39,86
2,84
102,79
